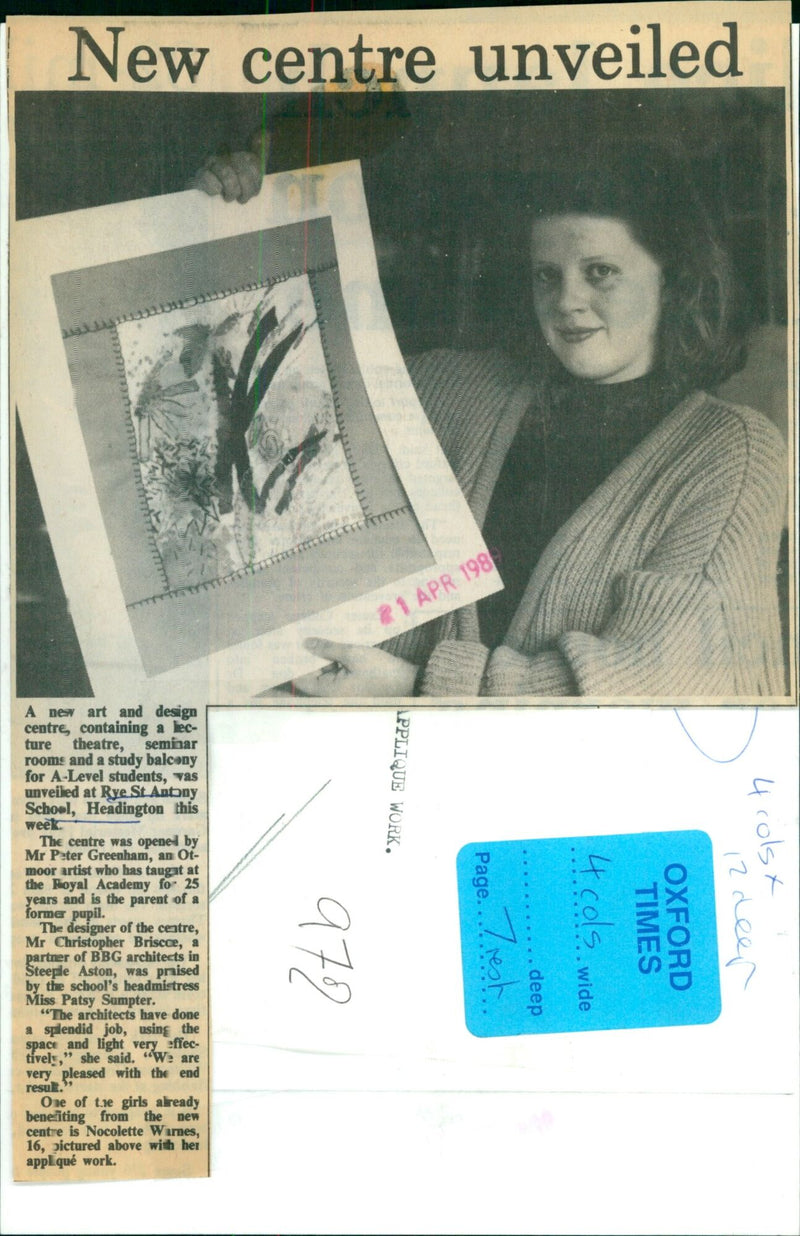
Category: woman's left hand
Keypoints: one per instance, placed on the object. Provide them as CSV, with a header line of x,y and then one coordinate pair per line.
x,y
357,671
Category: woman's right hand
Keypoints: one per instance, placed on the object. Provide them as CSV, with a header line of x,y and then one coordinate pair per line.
x,y
236,176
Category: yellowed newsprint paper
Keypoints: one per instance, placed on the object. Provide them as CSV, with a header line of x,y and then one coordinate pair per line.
x,y
370,403
406,359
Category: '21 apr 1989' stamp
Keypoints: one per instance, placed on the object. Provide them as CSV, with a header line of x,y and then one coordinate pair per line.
x,y
588,933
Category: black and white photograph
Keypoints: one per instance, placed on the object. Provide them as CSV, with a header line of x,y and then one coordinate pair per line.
x,y
589,292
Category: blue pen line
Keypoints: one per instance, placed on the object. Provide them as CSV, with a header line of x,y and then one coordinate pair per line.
x,y
732,759
71,820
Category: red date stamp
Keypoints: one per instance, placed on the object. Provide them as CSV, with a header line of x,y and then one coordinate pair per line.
x,y
471,570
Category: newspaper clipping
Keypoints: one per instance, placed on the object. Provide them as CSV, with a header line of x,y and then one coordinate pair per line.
x,y
406,358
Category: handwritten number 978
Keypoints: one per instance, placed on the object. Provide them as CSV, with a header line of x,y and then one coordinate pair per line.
x,y
339,920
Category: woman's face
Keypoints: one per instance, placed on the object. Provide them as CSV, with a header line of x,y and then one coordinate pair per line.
x,y
597,296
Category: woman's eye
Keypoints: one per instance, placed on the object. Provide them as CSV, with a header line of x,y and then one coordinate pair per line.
x,y
545,276
599,272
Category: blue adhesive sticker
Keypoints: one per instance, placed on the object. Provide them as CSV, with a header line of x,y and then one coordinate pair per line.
x,y
588,933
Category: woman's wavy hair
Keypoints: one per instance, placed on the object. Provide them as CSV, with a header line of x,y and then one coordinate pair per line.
x,y
701,332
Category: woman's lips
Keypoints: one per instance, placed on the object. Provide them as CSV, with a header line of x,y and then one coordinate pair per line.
x,y
575,334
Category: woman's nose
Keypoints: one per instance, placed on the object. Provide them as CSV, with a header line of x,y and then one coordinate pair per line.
x,y
573,294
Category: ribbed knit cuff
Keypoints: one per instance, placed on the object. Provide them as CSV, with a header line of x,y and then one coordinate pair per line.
x,y
514,673
456,667
668,637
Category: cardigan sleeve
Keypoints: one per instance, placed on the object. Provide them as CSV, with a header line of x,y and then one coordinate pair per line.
x,y
667,636
698,616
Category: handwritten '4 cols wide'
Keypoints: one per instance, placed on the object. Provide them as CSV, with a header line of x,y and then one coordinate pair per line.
x,y
588,933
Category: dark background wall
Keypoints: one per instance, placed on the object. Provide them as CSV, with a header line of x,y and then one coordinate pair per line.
x,y
441,172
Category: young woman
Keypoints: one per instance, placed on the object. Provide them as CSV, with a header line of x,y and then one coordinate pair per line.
x,y
635,517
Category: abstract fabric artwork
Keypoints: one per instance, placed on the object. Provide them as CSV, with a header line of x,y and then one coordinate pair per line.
x,y
242,476
238,446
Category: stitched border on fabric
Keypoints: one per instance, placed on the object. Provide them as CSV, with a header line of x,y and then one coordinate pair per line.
x,y
98,296
371,467
332,535
127,411
175,630
175,626
347,391
333,379
187,302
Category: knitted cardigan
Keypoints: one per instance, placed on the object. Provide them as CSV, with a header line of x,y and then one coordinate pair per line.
x,y
661,584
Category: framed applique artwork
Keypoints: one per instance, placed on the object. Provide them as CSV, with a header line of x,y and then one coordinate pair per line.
x,y
257,451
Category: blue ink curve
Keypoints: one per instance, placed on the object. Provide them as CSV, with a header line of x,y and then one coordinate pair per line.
x,y
731,759
266,838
